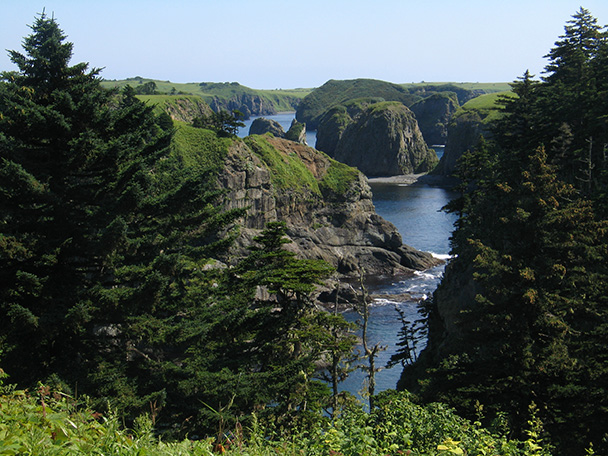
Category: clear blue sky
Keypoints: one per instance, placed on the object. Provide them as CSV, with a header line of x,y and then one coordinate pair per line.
x,y
270,44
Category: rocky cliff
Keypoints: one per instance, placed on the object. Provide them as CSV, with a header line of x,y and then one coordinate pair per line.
x,y
326,205
468,124
248,104
382,139
464,133
433,115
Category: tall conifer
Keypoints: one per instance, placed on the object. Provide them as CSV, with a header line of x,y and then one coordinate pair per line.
x,y
103,236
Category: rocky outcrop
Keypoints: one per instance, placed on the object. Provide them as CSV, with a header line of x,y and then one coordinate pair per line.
x,y
247,104
296,132
381,140
463,134
335,120
433,115
262,125
326,220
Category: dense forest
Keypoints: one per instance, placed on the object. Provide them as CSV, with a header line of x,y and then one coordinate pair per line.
x,y
119,323
519,320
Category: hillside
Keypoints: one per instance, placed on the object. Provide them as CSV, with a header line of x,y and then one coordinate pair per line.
x,y
220,95
326,205
335,92
181,108
468,123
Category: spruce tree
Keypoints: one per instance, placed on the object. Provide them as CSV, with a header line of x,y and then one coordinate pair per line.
x,y
572,95
530,249
104,235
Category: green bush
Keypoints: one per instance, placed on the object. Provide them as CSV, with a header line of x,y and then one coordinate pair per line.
x,y
55,424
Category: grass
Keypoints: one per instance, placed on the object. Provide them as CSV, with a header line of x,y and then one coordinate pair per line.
x,y
199,148
484,105
339,179
286,171
487,87
282,100
160,102
383,105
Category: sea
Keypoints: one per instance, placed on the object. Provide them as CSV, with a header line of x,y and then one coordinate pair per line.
x,y
416,211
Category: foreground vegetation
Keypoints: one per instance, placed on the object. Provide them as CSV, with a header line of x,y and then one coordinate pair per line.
x,y
52,423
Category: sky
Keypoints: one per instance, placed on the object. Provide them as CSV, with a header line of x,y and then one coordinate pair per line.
x,y
274,44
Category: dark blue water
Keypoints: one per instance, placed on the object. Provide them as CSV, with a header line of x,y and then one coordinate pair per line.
x,y
416,212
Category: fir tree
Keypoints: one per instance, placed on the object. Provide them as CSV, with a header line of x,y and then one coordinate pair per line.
x,y
530,249
104,234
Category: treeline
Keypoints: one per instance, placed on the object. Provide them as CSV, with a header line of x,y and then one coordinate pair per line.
x,y
519,321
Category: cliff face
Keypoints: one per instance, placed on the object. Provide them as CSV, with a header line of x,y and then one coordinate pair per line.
x,y
434,114
463,134
454,297
468,124
329,213
248,104
383,139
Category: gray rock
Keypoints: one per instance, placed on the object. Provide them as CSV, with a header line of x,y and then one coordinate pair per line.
x,y
262,125
346,232
384,140
297,132
433,115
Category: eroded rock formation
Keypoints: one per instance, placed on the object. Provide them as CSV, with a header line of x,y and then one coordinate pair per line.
x,y
338,226
383,139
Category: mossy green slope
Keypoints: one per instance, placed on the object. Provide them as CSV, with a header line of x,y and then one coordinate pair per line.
x,y
335,92
289,172
281,100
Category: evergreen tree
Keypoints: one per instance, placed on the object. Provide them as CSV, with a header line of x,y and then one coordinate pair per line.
x,y
530,250
225,124
572,95
266,339
104,235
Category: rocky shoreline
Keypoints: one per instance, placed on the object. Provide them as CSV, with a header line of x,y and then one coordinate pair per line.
x,y
416,179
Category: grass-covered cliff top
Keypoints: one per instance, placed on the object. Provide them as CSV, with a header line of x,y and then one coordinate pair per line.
x,y
288,171
334,93
199,148
281,99
484,105
386,105
487,87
